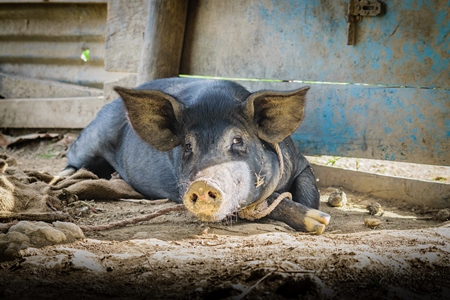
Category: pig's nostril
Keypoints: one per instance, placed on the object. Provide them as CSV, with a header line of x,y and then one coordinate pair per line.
x,y
212,195
194,198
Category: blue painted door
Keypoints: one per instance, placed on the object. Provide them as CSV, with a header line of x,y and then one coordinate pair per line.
x,y
386,97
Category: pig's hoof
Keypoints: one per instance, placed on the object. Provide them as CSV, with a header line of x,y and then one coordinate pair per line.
x,y
312,221
316,221
300,217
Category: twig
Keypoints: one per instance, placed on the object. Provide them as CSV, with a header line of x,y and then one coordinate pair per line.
x,y
146,201
122,223
248,290
424,218
80,203
297,271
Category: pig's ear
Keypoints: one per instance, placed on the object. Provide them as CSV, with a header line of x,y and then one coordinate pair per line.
x,y
276,114
153,115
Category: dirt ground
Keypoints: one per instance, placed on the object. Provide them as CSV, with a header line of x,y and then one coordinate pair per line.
x,y
404,255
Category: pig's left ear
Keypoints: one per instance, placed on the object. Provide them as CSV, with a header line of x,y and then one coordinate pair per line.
x,y
153,115
276,114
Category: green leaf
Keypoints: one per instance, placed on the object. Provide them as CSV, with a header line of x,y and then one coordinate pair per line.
x,y
85,55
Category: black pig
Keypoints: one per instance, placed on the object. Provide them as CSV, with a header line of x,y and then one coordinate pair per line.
x,y
209,144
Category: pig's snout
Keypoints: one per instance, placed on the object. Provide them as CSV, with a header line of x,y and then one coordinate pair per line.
x,y
203,199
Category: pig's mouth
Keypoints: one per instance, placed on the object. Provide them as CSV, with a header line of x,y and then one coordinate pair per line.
x,y
212,198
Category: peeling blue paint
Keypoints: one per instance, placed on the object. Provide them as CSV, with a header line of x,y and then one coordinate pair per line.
x,y
377,123
405,49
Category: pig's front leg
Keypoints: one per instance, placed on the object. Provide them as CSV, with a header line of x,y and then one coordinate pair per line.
x,y
298,216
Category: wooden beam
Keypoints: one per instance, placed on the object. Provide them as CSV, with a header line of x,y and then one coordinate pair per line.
x,y
49,112
163,39
125,27
12,86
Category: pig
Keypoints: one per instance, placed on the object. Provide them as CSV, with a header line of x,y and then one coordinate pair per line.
x,y
210,144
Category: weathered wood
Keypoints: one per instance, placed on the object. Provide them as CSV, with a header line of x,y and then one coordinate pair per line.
x,y
46,40
163,39
81,74
125,35
414,192
26,87
307,40
128,81
409,125
53,20
49,113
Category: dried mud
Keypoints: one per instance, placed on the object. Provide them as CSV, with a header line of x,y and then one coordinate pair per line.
x,y
175,256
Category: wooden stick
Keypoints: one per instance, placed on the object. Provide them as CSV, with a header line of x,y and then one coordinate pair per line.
x,y
146,201
122,223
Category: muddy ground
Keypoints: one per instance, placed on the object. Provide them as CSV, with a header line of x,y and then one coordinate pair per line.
x,y
405,256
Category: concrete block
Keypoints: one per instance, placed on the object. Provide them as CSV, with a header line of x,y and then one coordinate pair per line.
x,y
412,191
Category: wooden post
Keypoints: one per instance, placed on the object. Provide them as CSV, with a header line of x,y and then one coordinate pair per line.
x,y
163,39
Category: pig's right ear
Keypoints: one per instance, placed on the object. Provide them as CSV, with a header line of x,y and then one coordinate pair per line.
x,y
153,115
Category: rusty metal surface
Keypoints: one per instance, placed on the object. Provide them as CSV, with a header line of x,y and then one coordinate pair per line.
x,y
357,9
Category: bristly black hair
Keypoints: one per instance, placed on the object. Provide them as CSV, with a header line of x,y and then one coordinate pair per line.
x,y
213,108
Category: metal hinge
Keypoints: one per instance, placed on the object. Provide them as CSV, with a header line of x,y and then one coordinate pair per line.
x,y
357,9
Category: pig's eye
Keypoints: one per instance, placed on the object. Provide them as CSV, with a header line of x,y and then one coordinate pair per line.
x,y
238,146
238,141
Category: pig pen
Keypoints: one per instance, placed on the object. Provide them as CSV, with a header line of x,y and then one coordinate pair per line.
x,y
403,254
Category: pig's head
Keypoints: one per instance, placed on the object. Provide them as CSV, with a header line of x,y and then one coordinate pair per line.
x,y
225,138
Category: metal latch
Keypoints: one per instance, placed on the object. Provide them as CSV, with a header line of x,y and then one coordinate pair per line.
x,y
357,9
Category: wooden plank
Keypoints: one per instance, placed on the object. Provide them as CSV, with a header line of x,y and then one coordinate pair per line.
x,y
415,192
55,19
409,125
46,41
49,113
307,40
125,35
163,39
27,87
40,50
80,74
